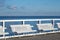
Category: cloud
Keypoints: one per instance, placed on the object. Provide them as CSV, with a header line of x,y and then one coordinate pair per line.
x,y
12,7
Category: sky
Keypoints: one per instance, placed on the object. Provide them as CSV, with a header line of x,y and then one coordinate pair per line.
x,y
29,7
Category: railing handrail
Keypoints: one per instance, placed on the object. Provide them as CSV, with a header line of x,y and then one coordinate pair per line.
x,y
26,20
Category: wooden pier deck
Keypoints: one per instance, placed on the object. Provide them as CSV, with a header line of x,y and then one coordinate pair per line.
x,y
54,36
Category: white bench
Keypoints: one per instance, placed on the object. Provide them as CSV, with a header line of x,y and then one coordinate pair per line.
x,y
22,28
45,26
58,25
1,31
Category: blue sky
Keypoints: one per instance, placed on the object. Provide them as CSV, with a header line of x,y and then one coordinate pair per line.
x,y
30,8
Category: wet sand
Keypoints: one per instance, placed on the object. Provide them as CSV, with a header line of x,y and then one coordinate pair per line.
x,y
54,36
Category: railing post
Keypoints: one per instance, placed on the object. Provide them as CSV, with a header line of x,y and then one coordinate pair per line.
x,y
39,21
53,22
3,28
23,22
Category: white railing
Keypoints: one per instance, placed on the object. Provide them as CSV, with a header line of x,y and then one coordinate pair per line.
x,y
23,20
